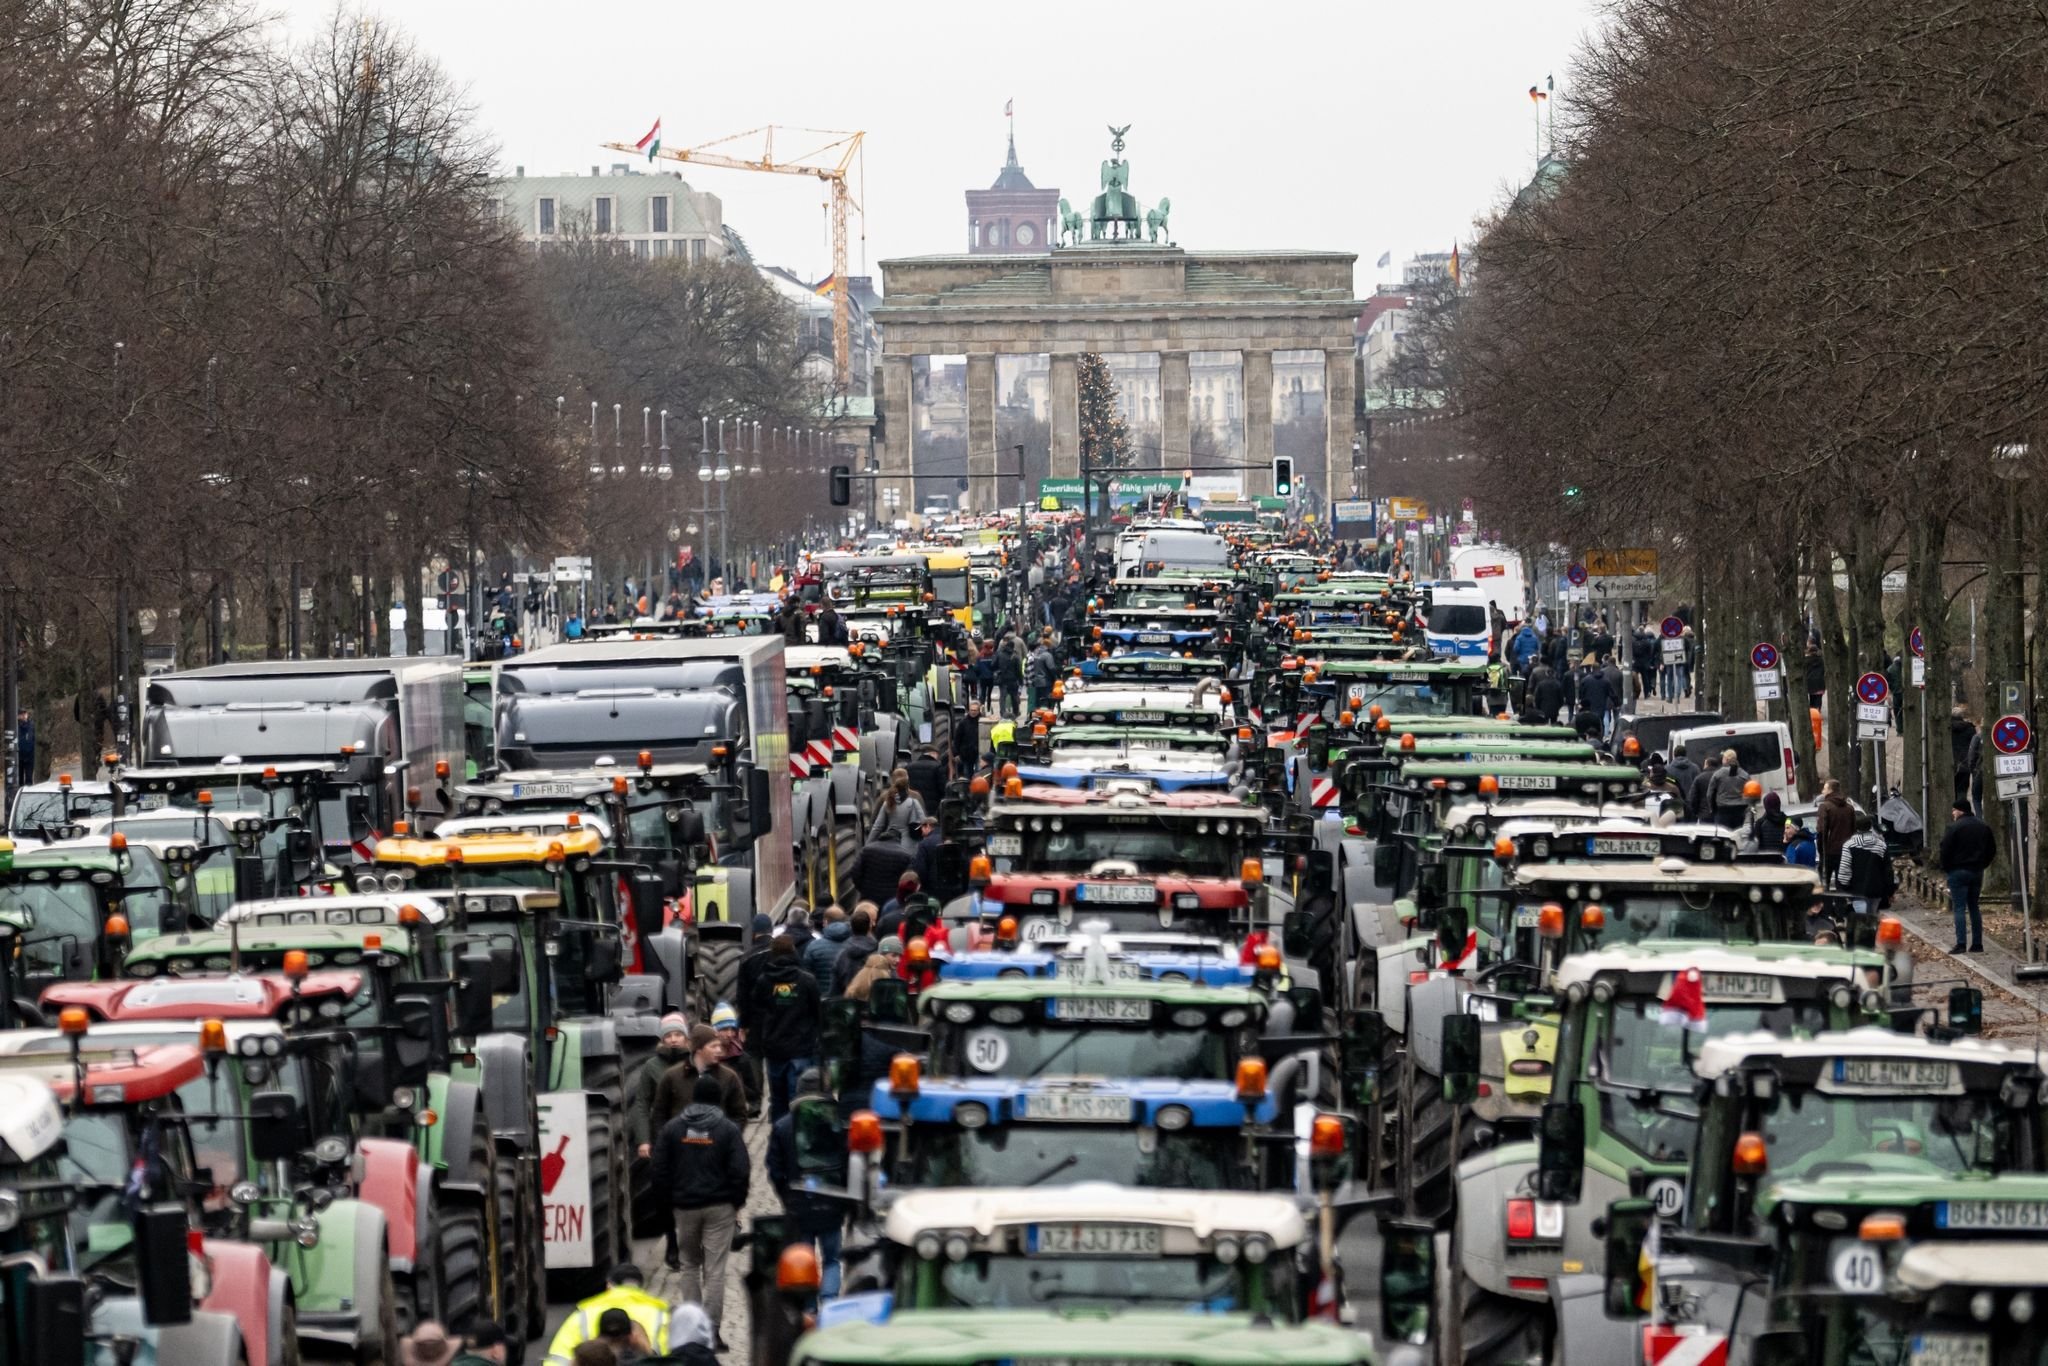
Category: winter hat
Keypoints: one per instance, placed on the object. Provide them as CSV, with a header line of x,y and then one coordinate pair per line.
x,y
724,1016
762,923
700,1035
809,1083
891,946
688,1324
1771,802
674,1023
906,884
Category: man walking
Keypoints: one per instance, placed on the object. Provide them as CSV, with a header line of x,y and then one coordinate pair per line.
x,y
1835,818
1966,851
700,1162
784,1011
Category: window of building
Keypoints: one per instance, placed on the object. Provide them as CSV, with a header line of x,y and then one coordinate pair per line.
x,y
657,213
997,234
640,247
547,217
697,249
601,214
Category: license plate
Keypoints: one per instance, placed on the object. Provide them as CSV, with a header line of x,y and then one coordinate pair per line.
x,y
1080,1106
1991,1214
544,789
1927,1075
152,801
1092,1240
1117,893
1528,917
1407,678
1616,846
1120,970
1084,1009
1005,846
1738,986
1950,1349
1139,718
1155,637
1526,782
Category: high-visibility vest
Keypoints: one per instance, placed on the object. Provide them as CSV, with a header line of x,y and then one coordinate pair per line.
x,y
649,1311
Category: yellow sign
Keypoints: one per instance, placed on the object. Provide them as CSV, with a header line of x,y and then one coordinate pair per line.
x,y
1407,510
1620,564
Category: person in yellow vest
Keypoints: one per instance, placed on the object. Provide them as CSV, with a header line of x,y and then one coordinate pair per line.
x,y
624,1292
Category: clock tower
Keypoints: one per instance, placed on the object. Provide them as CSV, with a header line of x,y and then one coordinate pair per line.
x,y
1012,215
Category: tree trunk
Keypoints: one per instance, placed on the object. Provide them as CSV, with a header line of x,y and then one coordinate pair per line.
x,y
416,579
1791,705
1834,650
1932,617
1913,714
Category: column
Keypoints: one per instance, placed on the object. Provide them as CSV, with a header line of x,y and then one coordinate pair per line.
x,y
1063,394
895,455
1258,422
1339,401
982,461
1174,417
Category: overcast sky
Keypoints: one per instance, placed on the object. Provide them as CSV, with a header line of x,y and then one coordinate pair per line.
x,y
1365,126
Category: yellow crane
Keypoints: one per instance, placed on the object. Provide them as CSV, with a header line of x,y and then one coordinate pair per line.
x,y
830,163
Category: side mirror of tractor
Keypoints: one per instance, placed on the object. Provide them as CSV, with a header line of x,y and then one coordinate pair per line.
x,y
277,1126
1628,1281
1560,1150
163,1264
1407,1281
1297,933
648,903
1461,1058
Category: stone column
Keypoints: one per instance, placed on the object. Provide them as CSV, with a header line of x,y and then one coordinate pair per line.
x,y
1063,395
1339,398
1174,434
981,433
1258,422
895,455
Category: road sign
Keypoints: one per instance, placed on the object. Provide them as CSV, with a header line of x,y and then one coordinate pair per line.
x,y
1621,564
2012,789
2011,734
1764,655
1873,730
1872,688
1672,628
1873,711
1575,574
1630,588
1674,651
1916,642
1919,672
1407,510
2012,765
1768,692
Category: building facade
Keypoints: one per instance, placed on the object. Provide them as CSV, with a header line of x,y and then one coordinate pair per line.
x,y
650,215
1012,215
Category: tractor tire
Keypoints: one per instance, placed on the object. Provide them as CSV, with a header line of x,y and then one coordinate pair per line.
x,y
606,1213
382,1347
462,1264
512,1231
289,1355
717,973
1432,1163
1499,1331
606,1076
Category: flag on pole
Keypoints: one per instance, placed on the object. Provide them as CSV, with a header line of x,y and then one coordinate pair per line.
x,y
652,142
1456,276
1386,259
1537,94
1008,106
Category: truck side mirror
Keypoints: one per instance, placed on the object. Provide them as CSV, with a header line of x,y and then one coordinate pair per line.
x,y
1431,882
1460,1058
1361,1050
1297,933
277,1126
1560,1150
648,903
1451,926
163,1265
1629,1282
820,1142
1386,859
839,1036
760,800
889,1002
949,871
1966,1010
1778,1347
54,1307
412,1039
1407,1280
690,828
358,807
473,996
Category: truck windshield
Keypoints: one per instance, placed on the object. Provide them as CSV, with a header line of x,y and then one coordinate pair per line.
x,y
1811,1134
1170,847
34,810
1083,1281
1087,1048
61,920
1062,1155
1720,915
1457,619
1643,1066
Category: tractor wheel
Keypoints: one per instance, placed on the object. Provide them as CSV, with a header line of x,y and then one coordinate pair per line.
x,y
606,1076
462,1264
511,1232
718,972
1499,1331
288,1336
1433,1164
381,1349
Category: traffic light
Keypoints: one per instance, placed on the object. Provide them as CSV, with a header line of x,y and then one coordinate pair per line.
x,y
1283,476
842,485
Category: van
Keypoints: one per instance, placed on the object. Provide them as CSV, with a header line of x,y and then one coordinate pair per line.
x,y
1497,572
1143,551
1763,748
1458,625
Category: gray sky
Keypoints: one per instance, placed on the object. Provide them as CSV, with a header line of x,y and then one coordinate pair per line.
x,y
1367,126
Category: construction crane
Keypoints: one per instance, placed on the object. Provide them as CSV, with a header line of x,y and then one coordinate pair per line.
x,y
829,162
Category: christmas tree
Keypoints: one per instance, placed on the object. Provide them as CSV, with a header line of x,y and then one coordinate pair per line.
x,y
1105,441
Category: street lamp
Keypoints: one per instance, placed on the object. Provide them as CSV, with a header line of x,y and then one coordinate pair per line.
x,y
724,471
704,450
755,468
596,460
618,443
664,471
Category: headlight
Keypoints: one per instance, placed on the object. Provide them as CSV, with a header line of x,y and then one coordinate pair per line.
x,y
393,882
305,1232
1226,1250
1173,1117
404,1097
959,1012
10,1210
1190,1017
244,1193
273,1045
331,1151
366,882
249,1046
1842,997
970,1114
1257,1249
1540,848
957,1247
927,1245
493,807
2021,1308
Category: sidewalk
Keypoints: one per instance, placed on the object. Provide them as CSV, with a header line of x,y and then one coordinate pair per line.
x,y
2011,1008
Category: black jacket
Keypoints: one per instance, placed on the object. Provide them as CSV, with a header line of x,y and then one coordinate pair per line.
x,y
814,1214
751,968
966,745
701,1160
1594,693
852,959
879,866
784,1009
928,780
1547,696
1968,846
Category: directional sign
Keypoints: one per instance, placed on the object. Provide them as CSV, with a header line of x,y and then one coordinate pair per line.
x,y
1672,628
2011,734
1916,642
1872,688
1575,574
1764,656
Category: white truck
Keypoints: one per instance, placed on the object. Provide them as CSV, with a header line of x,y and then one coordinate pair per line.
x,y
1498,574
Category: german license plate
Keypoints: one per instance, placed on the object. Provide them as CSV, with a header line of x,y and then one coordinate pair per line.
x,y
1083,1107
1950,1349
1933,1075
1087,1009
1739,986
1619,846
1526,782
1075,968
1092,1240
1407,678
151,801
1005,846
1117,893
1991,1214
1155,637
1139,718
1528,917
544,789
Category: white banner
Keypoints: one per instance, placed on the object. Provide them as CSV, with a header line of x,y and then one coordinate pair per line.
x,y
565,1178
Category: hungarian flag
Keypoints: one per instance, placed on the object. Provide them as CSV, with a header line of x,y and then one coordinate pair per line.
x,y
1685,1005
652,142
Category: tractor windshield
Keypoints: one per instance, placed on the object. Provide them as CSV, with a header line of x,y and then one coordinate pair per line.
x,y
1063,1155
1057,1275
1091,1047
